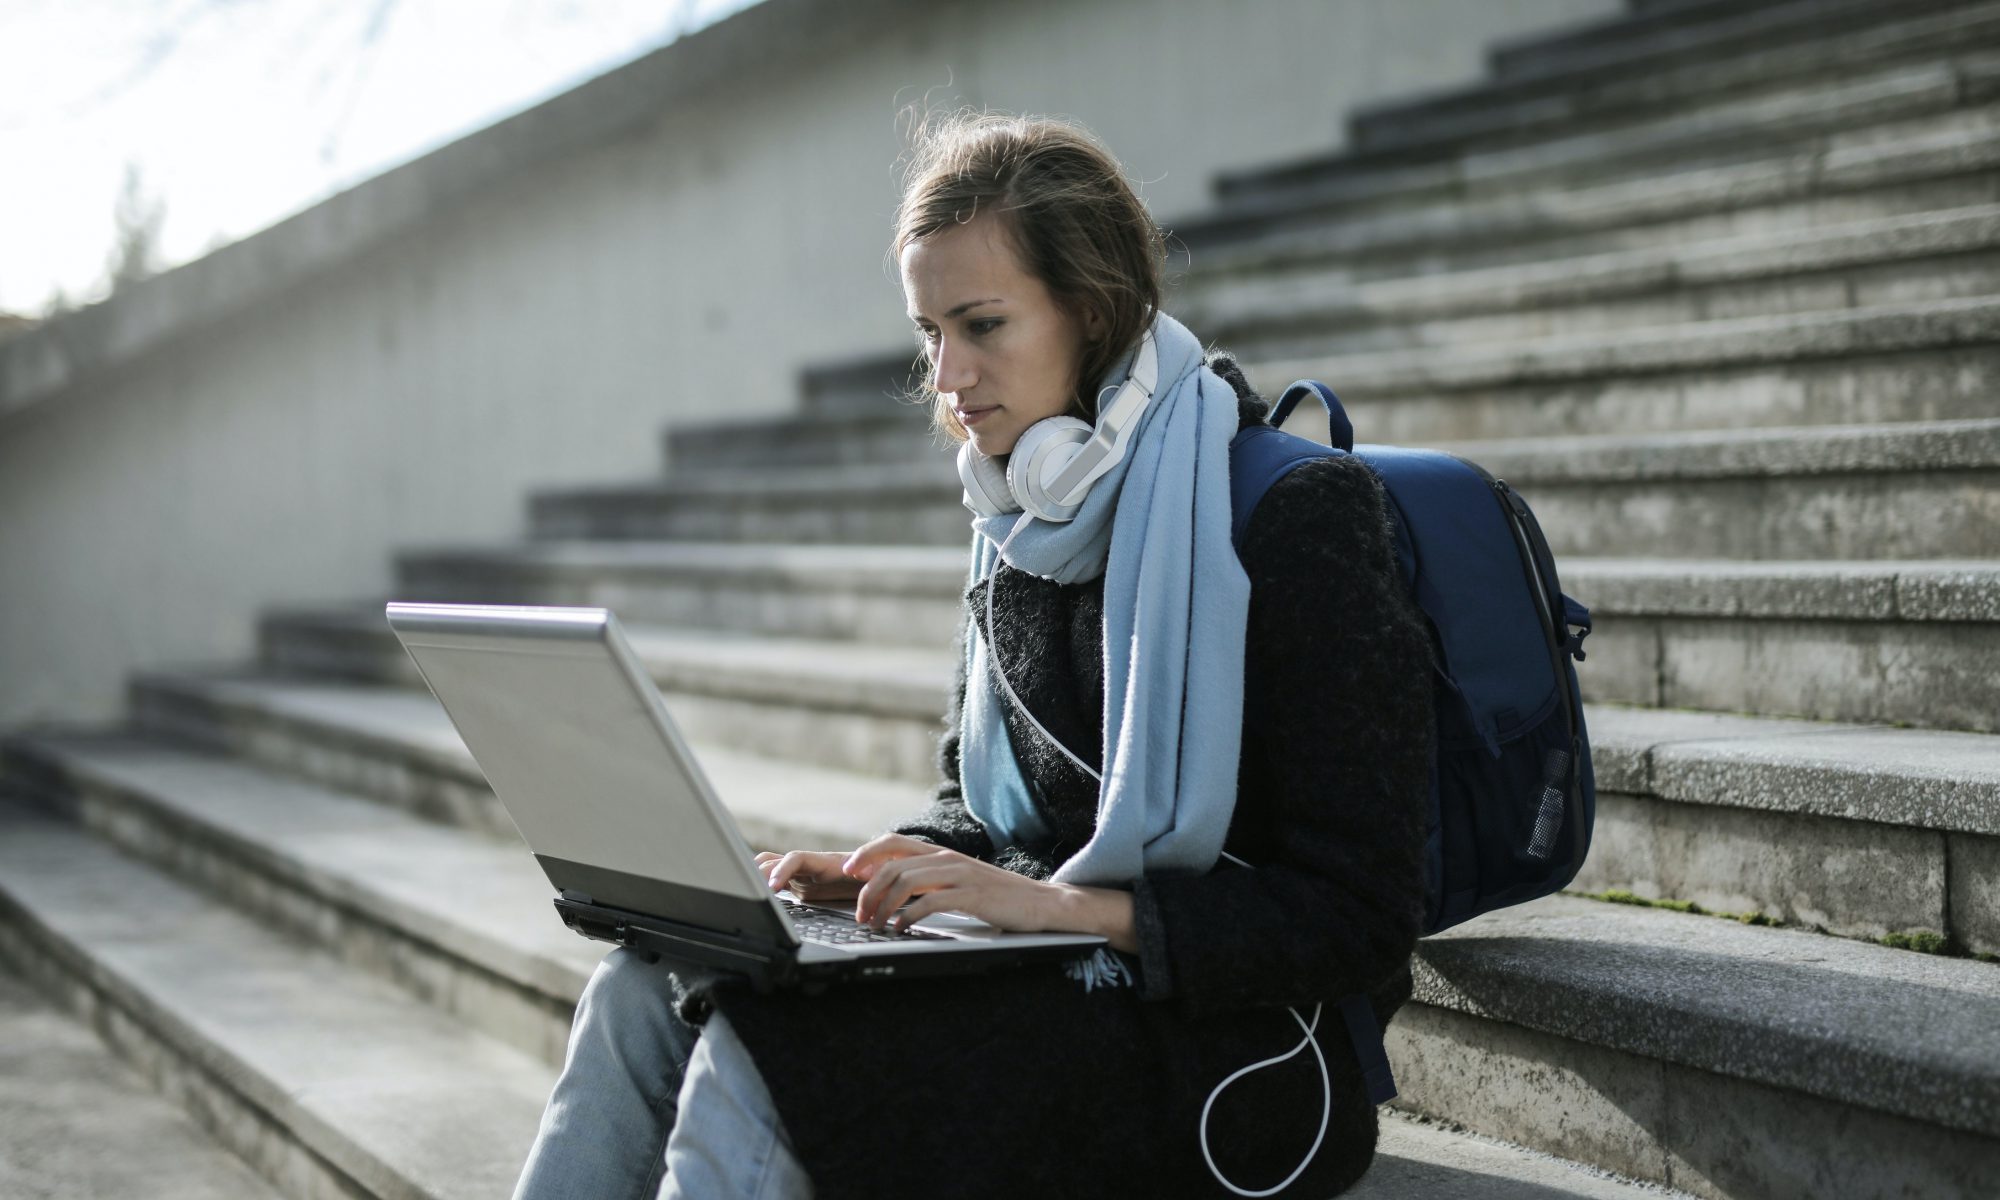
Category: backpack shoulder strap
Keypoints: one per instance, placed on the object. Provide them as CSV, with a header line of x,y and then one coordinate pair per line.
x,y
1259,457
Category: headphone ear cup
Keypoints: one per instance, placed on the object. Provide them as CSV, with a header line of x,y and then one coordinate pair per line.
x,y
987,492
1042,452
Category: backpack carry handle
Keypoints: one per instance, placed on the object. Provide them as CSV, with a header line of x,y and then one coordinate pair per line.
x,y
1340,429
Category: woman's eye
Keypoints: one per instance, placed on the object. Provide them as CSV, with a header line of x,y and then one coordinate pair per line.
x,y
989,325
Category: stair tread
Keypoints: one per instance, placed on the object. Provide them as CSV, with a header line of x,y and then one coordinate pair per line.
x,y
1924,778
1784,1007
1799,1010
412,723
389,1090
64,1098
392,862
1864,589
1971,443
1577,278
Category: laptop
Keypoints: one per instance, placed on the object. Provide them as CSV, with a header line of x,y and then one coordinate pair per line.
x,y
578,746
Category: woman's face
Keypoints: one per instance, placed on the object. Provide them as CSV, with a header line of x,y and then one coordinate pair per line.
x,y
1005,353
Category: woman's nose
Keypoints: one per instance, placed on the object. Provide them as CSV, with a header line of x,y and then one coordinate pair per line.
x,y
954,367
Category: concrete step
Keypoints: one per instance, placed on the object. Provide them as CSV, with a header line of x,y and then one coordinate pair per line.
x,y
812,438
1869,322
1850,837
326,1081
888,595
1552,991
1780,117
1725,1059
363,881
1503,110
64,1100
1916,490
1636,42
862,384
1899,167
458,918
1856,829
395,745
1680,350
1903,642
1908,642
1319,310
1910,490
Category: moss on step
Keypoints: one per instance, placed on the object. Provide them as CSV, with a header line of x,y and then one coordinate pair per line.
x,y
1922,941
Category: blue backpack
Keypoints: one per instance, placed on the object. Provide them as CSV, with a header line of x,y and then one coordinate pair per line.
x,y
1512,798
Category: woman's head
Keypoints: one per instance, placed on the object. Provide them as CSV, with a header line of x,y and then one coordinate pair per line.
x,y
1029,266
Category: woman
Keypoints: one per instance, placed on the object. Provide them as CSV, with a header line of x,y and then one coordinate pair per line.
x,y
1148,715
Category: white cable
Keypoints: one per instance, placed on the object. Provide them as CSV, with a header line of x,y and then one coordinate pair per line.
x,y
1325,1112
1002,671
1326,1084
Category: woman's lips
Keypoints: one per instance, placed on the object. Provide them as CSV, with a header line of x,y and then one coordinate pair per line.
x,y
972,416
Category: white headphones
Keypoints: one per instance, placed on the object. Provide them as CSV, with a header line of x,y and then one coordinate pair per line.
x,y
1056,460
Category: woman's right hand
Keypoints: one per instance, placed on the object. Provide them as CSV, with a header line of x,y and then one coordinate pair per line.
x,y
815,875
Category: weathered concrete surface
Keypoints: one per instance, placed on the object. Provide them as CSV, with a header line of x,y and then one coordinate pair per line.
x,y
1794,1010
1847,877
324,1079
1975,892
1709,1135
1930,779
75,1122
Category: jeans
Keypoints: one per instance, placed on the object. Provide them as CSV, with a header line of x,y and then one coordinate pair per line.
x,y
614,1126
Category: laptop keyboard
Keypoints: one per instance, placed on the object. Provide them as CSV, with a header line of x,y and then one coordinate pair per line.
x,y
819,925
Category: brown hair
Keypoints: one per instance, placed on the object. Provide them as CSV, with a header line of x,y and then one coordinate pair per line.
x,y
1064,206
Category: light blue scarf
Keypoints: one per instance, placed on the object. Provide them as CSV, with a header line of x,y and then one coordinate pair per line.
x,y
1176,603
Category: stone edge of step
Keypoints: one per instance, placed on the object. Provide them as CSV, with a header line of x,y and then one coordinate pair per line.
x,y
324,1115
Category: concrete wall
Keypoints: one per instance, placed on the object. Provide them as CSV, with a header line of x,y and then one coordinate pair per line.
x,y
529,307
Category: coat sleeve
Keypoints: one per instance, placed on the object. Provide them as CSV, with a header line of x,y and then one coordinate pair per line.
x,y
1333,790
946,821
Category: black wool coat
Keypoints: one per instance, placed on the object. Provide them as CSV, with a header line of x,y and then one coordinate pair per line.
x,y
1023,1084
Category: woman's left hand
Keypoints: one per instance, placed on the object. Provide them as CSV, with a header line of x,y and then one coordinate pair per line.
x,y
896,868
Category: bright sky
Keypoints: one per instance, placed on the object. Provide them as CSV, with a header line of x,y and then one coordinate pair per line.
x,y
239,113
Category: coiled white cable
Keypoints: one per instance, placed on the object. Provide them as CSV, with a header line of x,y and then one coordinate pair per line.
x,y
1326,1084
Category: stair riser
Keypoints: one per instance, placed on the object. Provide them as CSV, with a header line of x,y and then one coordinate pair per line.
x,y
1833,516
1730,130
281,897
788,607
1708,1134
932,519
1936,385
452,792
901,748
1659,40
1926,385
1526,109
448,792
1852,878
1933,674
180,1066
783,445
1892,182
742,713
1891,515
1267,333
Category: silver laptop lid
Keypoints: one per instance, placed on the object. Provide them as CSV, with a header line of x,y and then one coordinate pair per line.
x,y
576,743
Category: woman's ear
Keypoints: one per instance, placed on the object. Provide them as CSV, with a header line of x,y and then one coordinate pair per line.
x,y
1093,325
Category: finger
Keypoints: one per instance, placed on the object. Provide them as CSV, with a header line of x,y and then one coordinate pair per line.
x,y
786,867
926,904
883,848
879,882
908,883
